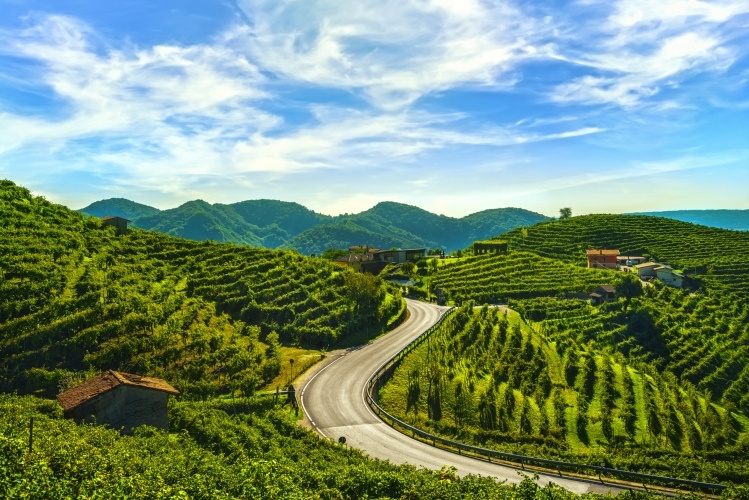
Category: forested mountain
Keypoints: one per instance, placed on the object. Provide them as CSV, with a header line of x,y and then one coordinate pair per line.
x,y
389,224
120,207
280,224
75,297
725,219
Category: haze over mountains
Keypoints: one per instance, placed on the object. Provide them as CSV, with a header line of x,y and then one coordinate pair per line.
x,y
280,224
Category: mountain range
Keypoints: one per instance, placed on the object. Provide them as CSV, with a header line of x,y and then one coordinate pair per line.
x,y
281,224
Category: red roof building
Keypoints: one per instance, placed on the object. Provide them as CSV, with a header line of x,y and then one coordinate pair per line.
x,y
602,259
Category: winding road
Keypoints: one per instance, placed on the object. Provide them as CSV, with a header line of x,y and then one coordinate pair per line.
x,y
334,402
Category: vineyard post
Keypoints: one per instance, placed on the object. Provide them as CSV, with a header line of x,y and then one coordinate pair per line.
x,y
31,435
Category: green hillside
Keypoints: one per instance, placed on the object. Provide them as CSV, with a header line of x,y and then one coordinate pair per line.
x,y
665,371
496,278
76,299
490,379
718,258
344,234
208,317
700,333
119,207
737,220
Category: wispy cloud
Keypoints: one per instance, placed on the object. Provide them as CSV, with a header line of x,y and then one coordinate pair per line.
x,y
168,117
392,52
643,47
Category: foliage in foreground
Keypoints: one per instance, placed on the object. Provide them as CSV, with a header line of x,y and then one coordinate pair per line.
x,y
215,450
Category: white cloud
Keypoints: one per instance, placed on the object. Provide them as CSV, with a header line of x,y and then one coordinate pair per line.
x,y
643,47
170,117
147,94
392,51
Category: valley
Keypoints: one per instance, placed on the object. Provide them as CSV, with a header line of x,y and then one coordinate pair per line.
x,y
653,379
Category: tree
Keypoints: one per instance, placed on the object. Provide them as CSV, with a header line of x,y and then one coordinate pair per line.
x,y
629,287
565,213
364,291
333,253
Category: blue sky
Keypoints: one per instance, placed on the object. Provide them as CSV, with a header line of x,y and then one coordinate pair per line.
x,y
456,107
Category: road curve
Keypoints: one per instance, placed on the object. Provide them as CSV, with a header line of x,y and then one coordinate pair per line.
x,y
333,400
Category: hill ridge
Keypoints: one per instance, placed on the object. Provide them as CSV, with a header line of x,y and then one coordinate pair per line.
x,y
284,224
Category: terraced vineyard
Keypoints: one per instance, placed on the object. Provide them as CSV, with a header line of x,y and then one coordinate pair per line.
x,y
495,278
702,339
208,317
718,257
488,378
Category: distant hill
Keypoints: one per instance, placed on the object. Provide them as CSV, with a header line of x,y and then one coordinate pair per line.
x,y
120,207
281,224
725,219
389,224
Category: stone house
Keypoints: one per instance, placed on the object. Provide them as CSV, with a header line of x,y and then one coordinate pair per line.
x,y
120,400
603,293
119,222
357,261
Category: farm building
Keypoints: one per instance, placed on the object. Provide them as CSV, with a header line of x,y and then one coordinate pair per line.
x,y
400,256
669,277
602,259
119,222
606,292
120,400
359,262
646,269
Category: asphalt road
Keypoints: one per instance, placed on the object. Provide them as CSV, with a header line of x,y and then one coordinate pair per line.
x,y
333,400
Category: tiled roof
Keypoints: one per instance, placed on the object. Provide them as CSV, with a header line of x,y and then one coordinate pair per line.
x,y
602,252
112,217
647,264
106,382
607,288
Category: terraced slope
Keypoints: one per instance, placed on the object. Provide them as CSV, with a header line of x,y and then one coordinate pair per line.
x,y
209,317
702,339
490,379
495,278
718,257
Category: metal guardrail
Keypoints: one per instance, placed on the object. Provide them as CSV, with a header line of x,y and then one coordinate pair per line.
x,y
385,371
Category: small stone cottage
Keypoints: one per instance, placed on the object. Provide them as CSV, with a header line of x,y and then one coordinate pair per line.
x,y
120,400
119,222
